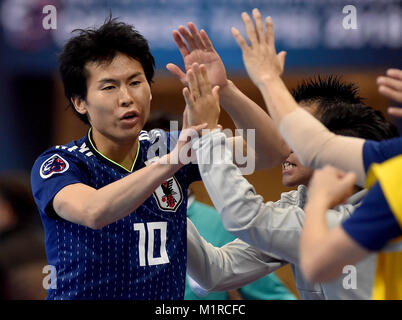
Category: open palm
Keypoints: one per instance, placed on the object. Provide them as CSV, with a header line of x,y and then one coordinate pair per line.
x,y
197,48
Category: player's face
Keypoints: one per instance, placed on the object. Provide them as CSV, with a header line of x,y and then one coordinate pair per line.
x,y
293,172
118,98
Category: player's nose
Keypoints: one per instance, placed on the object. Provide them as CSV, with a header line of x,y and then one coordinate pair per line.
x,y
125,98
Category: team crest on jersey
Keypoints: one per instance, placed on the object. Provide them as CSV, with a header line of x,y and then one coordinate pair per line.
x,y
54,164
169,195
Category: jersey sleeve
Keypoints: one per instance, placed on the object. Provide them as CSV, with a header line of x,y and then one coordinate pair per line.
x,y
373,224
52,171
380,151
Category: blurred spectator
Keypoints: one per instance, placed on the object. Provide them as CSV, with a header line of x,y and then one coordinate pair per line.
x,y
22,253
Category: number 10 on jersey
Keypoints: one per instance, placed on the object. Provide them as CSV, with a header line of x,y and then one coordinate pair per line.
x,y
151,228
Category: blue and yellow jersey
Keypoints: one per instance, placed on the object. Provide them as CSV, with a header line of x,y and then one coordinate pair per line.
x,y
377,224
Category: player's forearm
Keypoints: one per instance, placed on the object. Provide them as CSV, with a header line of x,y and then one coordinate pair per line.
x,y
277,98
316,146
270,148
312,142
120,198
314,236
229,267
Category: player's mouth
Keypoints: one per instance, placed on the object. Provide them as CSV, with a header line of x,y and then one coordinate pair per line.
x,y
130,118
287,167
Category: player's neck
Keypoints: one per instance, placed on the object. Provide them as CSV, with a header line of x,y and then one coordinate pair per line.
x,y
122,153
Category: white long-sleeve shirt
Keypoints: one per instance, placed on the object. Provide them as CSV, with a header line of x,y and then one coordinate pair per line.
x,y
268,232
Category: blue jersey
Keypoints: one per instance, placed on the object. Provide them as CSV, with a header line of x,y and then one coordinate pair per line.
x,y
373,224
142,256
380,151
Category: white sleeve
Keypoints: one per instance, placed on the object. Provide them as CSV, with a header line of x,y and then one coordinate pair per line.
x,y
229,267
273,228
316,146
244,214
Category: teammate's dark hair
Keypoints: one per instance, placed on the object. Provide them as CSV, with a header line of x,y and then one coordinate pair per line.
x,y
326,91
357,120
101,46
341,110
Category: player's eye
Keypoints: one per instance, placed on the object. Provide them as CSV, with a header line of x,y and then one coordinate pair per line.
x,y
135,83
107,88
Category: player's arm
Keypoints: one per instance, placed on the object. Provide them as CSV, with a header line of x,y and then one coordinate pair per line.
x,y
195,46
306,136
229,267
325,252
370,228
96,208
243,213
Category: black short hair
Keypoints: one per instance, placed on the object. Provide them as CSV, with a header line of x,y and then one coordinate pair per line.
x,y
326,91
342,110
101,46
357,120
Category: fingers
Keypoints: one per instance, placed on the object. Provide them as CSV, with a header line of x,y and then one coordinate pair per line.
x,y
282,58
200,127
240,40
193,83
185,116
269,32
256,35
258,25
395,73
175,70
188,98
180,44
215,93
349,179
203,81
188,37
250,31
392,83
395,111
196,36
390,93
207,42
198,81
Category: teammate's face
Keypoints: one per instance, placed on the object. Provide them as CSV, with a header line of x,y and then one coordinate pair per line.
x,y
293,172
118,98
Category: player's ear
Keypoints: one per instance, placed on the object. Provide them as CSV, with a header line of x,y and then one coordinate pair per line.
x,y
150,96
79,104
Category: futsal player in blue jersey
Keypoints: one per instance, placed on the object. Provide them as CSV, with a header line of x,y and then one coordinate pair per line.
x,y
113,203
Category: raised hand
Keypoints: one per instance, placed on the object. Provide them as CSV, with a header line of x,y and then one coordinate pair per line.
x,y
182,153
202,100
260,58
196,47
390,86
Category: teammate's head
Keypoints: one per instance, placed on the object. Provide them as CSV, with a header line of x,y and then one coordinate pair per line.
x,y
94,50
357,120
337,105
322,92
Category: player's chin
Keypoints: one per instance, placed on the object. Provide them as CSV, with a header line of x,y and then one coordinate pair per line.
x,y
289,181
129,134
